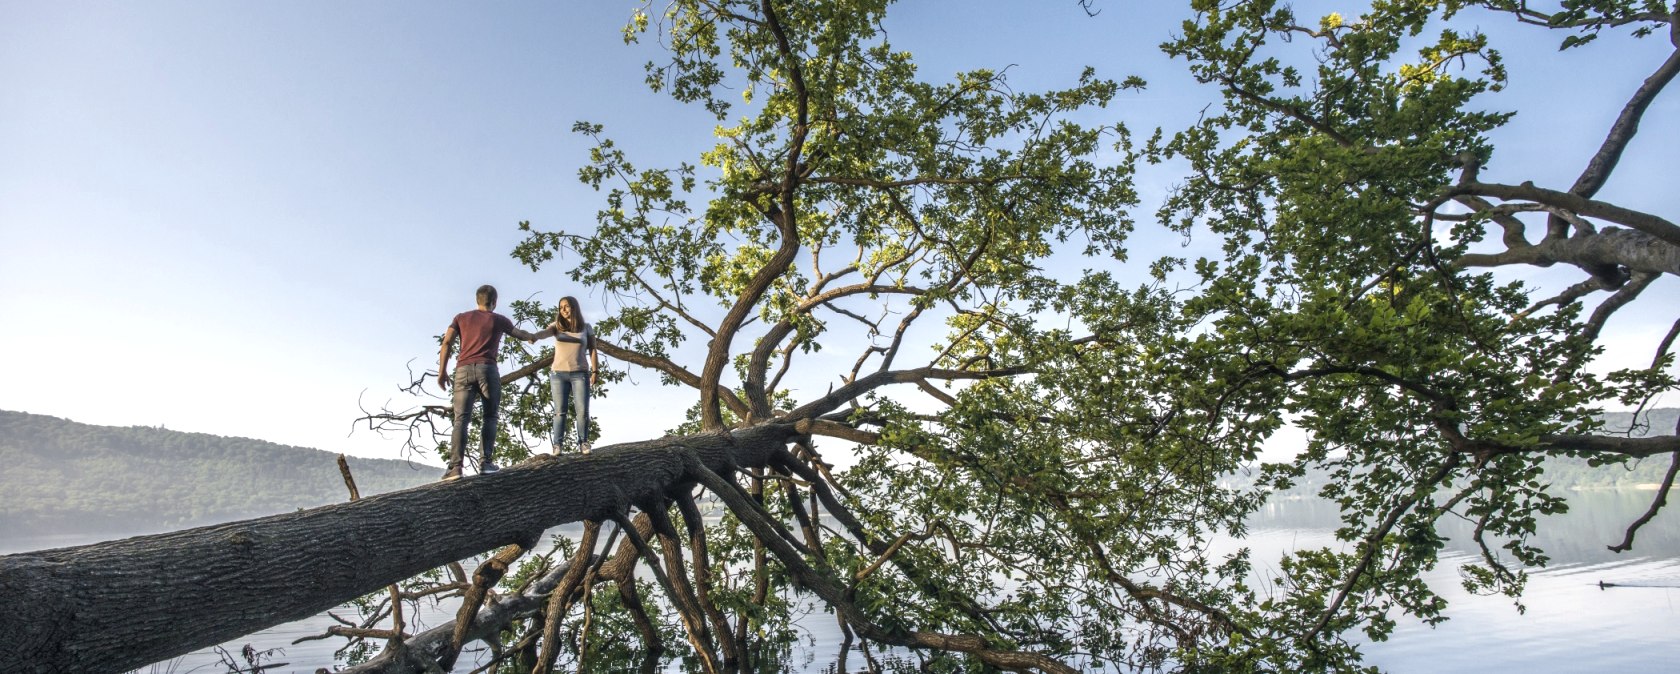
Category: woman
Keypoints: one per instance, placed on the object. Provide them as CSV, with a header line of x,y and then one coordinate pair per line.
x,y
571,377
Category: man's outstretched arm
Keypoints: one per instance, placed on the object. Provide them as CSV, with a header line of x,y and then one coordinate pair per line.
x,y
527,336
551,332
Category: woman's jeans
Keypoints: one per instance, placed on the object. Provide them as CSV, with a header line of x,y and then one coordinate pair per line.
x,y
570,389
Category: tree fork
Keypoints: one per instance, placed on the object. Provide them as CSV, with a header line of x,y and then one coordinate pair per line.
x,y
119,605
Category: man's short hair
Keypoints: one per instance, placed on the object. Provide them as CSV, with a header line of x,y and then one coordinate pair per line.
x,y
487,294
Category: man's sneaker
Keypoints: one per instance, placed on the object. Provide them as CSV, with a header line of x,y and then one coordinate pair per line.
x,y
584,447
452,474
487,468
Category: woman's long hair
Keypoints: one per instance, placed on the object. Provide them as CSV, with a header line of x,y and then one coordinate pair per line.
x,y
575,323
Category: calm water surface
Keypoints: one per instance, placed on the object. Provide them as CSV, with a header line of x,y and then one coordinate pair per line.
x,y
1571,624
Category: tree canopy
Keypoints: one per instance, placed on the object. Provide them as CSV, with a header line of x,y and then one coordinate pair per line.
x,y
1041,415
1053,447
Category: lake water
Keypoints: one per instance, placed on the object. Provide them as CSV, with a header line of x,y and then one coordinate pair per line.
x,y
1571,625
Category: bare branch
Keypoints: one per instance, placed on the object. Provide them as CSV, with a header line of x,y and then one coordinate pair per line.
x,y
1666,344
1657,504
1625,294
1568,296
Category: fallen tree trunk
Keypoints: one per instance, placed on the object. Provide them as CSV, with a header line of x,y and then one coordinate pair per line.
x,y
119,605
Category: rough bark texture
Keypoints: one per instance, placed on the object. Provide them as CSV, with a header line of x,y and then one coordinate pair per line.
x,y
1611,246
119,605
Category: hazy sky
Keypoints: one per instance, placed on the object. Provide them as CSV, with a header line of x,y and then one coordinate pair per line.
x,y
242,218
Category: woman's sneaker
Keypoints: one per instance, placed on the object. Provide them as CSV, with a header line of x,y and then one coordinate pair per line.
x,y
584,447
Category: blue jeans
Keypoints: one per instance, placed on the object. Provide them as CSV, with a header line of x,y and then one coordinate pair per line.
x,y
473,382
570,389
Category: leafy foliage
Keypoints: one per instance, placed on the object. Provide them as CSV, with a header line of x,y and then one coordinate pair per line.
x,y
1045,493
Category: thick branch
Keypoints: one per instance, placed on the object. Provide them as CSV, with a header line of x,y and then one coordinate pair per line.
x,y
692,624
784,215
1605,444
1622,296
1611,247
695,526
1622,132
488,574
559,600
1644,222
118,605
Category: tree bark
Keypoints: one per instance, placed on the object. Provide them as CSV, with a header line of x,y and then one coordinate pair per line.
x,y
119,605
1610,246
435,643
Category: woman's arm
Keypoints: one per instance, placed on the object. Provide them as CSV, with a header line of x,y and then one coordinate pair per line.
x,y
553,331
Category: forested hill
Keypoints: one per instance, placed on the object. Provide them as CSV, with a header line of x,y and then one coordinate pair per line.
x,y
1564,473
62,477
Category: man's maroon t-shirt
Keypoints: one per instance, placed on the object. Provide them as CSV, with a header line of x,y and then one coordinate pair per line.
x,y
481,335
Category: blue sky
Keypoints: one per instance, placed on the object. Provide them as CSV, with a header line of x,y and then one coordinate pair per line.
x,y
242,218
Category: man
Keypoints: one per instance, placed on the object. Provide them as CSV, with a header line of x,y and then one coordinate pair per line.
x,y
476,377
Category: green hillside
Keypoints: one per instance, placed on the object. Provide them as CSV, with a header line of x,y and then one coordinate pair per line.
x,y
62,477
1561,472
